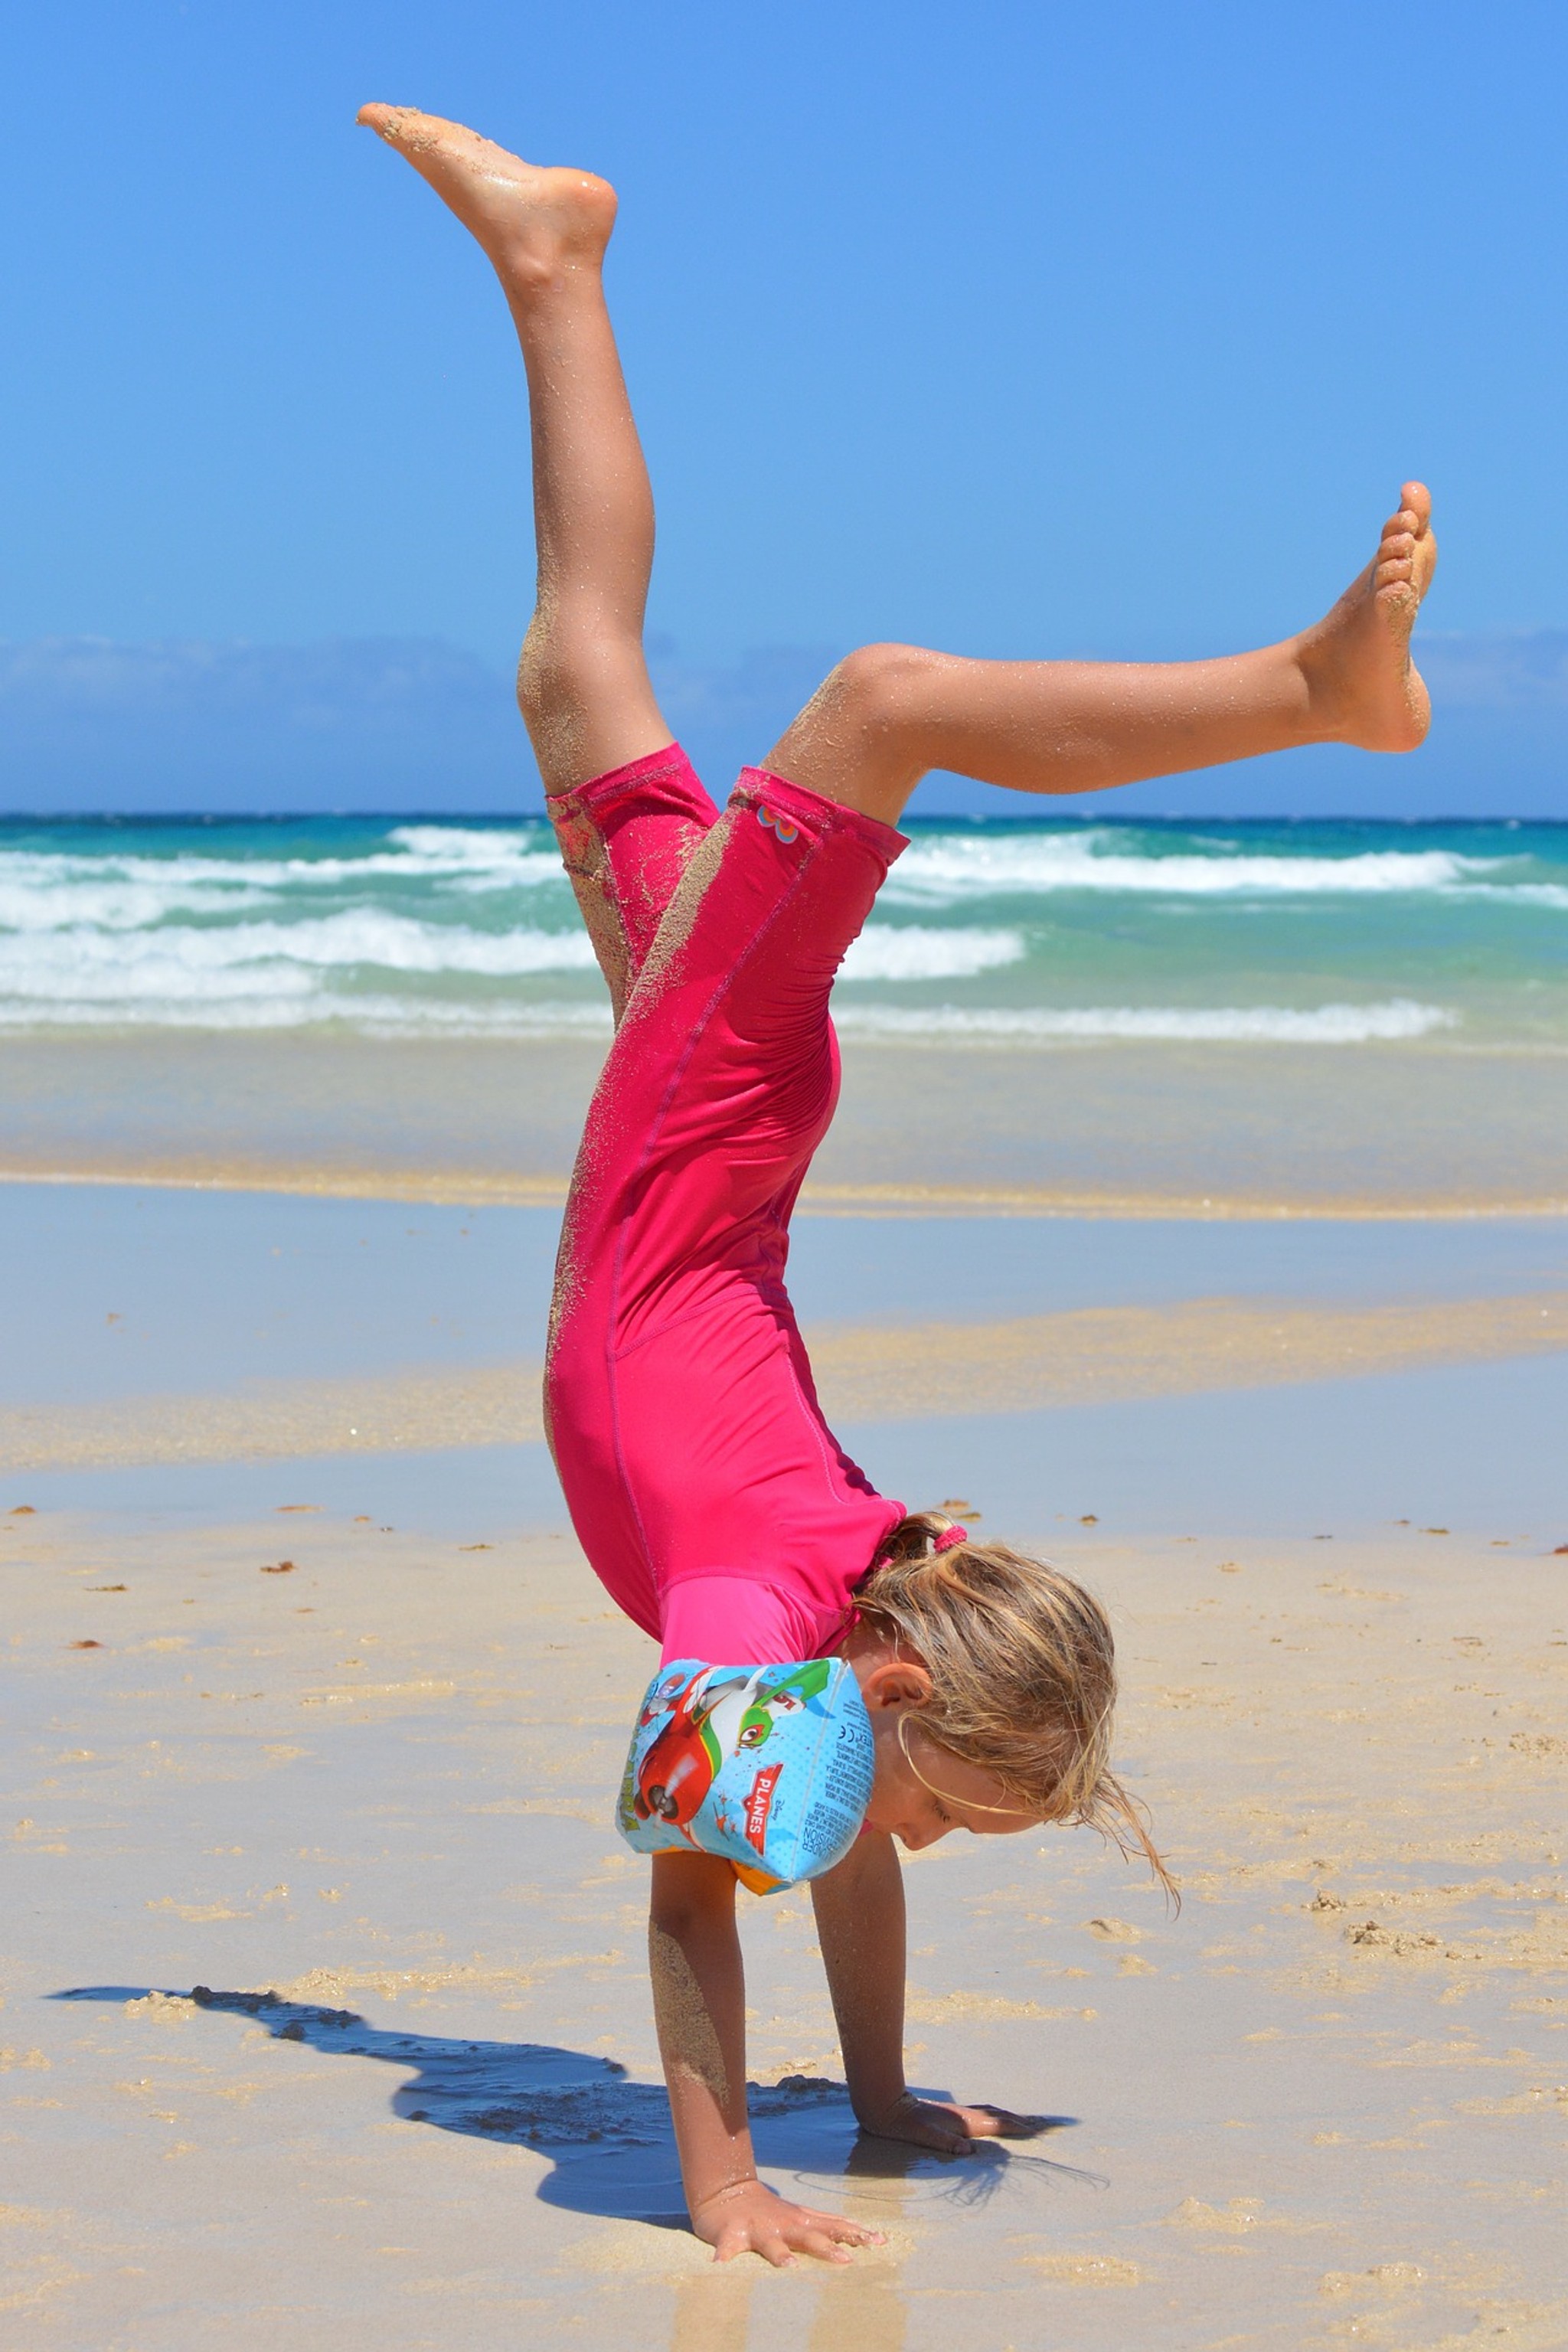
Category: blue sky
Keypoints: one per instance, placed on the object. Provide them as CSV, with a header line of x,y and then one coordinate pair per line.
x,y
1021,329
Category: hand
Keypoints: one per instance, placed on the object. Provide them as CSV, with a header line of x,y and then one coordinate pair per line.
x,y
950,2130
748,2219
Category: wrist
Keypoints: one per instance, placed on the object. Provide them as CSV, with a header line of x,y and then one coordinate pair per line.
x,y
873,2104
723,2193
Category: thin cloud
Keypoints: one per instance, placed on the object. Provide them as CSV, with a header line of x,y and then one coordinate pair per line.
x,y
95,724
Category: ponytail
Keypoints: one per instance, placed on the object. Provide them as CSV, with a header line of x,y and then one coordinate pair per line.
x,y
1023,1669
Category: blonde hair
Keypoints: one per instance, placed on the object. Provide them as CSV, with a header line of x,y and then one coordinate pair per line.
x,y
1023,1669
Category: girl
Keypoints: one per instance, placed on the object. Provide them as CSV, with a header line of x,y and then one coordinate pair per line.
x,y
708,1492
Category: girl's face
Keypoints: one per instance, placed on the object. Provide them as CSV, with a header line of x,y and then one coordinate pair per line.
x,y
920,1791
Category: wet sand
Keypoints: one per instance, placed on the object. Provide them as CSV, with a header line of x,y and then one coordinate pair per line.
x,y
323,1717
1423,1129
866,1374
172,1328
362,1802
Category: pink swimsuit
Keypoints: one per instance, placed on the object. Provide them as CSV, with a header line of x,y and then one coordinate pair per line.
x,y
709,1493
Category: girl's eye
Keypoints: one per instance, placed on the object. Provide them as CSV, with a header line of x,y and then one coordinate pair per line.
x,y
942,1813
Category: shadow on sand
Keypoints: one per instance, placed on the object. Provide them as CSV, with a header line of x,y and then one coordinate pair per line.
x,y
608,2138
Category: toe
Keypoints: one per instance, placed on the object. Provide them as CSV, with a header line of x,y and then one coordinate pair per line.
x,y
1415,498
399,125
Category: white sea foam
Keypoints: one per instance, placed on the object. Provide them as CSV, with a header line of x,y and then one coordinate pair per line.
x,y
246,1001
481,848
47,890
186,962
1325,1024
1517,893
367,1016
188,965
914,951
407,929
247,1012
128,890
946,869
119,904
395,1017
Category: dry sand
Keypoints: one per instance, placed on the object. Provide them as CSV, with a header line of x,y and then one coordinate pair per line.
x,y
363,1798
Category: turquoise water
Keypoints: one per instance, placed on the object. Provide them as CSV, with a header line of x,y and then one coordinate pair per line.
x,y
987,933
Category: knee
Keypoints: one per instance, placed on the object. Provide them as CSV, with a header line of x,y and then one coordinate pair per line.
x,y
548,683
566,677
876,688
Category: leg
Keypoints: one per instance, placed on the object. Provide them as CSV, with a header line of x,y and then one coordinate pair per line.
x,y
888,713
582,683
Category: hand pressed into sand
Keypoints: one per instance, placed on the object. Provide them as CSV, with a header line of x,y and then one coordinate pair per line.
x,y
747,2217
694,1954
920,1793
947,2130
860,1924
699,2002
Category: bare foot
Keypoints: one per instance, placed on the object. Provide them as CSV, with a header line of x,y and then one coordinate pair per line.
x,y
1364,687
537,226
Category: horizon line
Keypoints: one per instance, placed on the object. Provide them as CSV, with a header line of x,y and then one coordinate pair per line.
x,y
914,816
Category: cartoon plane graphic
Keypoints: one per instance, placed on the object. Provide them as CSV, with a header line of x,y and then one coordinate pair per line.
x,y
722,1712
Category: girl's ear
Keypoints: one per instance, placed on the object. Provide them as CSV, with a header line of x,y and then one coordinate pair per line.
x,y
900,1682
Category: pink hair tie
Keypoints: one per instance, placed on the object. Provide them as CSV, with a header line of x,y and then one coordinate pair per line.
x,y
947,1538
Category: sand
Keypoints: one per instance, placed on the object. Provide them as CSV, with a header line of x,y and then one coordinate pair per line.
x,y
1244,1130
869,1373
362,1800
322,1717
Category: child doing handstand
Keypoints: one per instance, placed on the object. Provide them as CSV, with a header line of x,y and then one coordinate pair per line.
x,y
970,1688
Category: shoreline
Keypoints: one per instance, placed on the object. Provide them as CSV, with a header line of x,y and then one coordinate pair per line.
x,y
1232,1132
178,1331
460,1189
336,1734
867,1374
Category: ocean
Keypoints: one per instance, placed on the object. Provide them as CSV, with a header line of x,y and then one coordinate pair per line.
x,y
989,932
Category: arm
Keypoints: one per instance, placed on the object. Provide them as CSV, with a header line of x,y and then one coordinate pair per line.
x,y
859,1908
699,2002
860,1926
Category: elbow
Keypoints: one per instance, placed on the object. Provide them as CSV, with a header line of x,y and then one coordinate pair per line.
x,y
690,1893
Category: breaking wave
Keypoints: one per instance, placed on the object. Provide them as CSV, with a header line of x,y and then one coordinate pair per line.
x,y
948,869
1324,1025
1370,932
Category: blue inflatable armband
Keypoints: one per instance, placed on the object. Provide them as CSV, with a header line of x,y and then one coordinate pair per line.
x,y
768,1767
